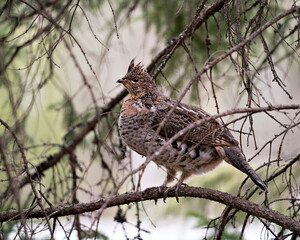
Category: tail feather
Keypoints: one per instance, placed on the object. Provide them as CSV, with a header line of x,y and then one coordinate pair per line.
x,y
236,158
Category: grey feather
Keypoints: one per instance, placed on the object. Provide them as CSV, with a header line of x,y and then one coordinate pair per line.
x,y
238,161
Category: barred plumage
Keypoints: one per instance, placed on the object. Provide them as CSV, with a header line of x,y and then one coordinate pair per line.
x,y
197,151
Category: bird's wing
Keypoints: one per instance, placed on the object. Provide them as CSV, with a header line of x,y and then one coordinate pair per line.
x,y
209,133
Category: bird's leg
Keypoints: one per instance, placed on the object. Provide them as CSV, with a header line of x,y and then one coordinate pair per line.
x,y
170,178
176,187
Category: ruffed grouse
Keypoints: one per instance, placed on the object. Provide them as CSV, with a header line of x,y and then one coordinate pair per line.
x,y
197,151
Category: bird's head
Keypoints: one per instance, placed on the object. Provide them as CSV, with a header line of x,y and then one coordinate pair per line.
x,y
138,82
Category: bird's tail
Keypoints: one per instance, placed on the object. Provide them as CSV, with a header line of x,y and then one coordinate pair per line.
x,y
234,156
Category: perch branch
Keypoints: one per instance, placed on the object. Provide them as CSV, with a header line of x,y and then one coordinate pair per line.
x,y
154,194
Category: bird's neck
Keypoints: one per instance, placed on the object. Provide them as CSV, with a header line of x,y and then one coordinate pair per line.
x,y
148,96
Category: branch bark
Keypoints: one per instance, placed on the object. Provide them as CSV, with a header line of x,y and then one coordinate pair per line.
x,y
70,146
154,194
199,18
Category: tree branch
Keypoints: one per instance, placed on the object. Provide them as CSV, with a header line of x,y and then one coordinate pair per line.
x,y
199,18
50,162
154,194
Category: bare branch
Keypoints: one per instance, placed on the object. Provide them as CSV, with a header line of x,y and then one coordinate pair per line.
x,y
154,194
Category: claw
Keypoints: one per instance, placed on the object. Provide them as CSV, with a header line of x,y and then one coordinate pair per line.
x,y
161,188
166,193
170,177
161,191
175,188
176,192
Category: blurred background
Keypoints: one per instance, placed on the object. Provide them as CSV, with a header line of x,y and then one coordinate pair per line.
x,y
59,64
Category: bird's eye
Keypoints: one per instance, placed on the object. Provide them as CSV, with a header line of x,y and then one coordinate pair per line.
x,y
135,79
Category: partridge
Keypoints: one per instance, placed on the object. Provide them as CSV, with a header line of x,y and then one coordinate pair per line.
x,y
197,151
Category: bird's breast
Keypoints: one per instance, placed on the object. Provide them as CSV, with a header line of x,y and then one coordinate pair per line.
x,y
134,125
136,107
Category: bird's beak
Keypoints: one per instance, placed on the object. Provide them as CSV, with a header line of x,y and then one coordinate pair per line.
x,y
120,80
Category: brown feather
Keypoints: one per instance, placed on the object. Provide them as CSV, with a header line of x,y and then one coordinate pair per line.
x,y
197,151
208,133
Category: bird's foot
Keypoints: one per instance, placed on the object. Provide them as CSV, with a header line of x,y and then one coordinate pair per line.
x,y
174,188
161,188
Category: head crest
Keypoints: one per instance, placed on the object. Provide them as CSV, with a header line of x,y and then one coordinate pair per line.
x,y
136,69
